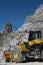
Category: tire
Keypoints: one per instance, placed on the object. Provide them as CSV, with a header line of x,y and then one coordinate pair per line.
x,y
26,58
41,50
20,57
42,55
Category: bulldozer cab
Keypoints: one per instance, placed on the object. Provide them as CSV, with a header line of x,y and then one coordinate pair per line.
x,y
34,35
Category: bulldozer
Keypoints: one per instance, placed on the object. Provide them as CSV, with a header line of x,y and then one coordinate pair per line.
x,y
33,48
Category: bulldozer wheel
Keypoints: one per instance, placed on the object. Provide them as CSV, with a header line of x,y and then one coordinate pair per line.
x,y
17,55
26,58
42,54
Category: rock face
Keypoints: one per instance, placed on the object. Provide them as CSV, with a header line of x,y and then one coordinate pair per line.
x,y
32,22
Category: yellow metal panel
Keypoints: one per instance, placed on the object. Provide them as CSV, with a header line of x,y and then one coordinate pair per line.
x,y
36,41
21,46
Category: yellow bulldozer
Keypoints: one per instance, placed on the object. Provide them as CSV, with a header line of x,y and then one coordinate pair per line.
x,y
32,48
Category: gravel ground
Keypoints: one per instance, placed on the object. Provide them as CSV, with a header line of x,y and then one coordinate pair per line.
x,y
31,63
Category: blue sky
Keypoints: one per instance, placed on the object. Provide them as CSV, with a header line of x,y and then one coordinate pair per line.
x,y
15,11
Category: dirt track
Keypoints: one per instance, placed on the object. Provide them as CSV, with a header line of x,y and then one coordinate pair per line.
x,y
28,62
31,63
